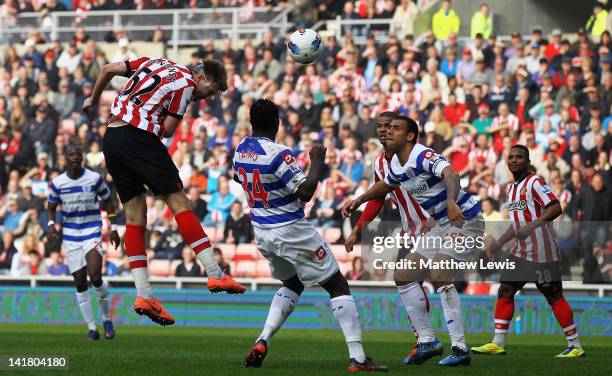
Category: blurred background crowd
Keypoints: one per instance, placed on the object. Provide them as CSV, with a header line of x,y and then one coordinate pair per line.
x,y
474,97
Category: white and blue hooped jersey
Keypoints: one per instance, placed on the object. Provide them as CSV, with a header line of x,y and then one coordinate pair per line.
x,y
270,177
421,176
81,218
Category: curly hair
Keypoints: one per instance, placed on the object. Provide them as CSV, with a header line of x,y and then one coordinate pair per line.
x,y
215,69
264,114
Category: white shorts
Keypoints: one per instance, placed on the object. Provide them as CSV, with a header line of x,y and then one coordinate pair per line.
x,y
75,252
297,248
459,243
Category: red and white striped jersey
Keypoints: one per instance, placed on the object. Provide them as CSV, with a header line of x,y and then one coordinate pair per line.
x,y
413,216
157,88
526,202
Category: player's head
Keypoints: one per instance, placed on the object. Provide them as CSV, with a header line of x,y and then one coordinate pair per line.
x,y
402,130
383,120
74,156
210,77
264,118
518,159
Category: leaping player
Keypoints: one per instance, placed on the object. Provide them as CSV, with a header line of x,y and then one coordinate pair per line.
x,y
274,185
434,184
78,191
532,206
150,107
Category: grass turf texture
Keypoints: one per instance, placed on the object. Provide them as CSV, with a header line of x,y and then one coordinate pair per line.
x,y
154,350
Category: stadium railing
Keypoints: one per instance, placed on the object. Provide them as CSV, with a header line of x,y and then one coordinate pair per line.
x,y
574,288
182,26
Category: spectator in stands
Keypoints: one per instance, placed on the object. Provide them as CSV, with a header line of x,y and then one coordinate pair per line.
x,y
41,130
56,264
170,243
108,267
189,267
445,21
7,251
404,17
357,273
64,101
325,212
69,59
268,65
596,24
11,214
220,204
200,208
238,228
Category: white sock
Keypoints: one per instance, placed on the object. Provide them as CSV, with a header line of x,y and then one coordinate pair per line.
x,y
572,339
86,311
345,312
574,342
207,258
141,280
415,302
500,339
102,294
281,307
453,315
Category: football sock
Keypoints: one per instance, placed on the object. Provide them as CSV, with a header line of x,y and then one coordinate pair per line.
x,y
102,294
345,312
86,311
137,257
193,233
504,310
565,316
417,305
453,315
282,305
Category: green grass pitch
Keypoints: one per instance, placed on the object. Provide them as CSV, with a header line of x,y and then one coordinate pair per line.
x,y
154,350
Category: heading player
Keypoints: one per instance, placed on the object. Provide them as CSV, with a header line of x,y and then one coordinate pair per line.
x,y
434,184
78,191
274,185
532,207
150,107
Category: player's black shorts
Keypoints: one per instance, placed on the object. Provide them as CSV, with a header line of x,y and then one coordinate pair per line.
x,y
546,276
136,158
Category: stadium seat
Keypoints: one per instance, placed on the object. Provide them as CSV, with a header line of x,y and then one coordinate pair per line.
x,y
173,265
215,234
332,235
228,250
247,251
245,268
477,288
107,97
159,268
263,269
345,266
340,253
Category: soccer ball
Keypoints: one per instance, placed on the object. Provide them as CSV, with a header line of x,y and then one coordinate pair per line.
x,y
305,46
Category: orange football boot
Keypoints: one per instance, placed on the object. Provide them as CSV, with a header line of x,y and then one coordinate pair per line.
x,y
154,310
226,283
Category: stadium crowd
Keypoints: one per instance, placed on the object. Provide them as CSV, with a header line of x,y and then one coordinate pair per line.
x,y
473,98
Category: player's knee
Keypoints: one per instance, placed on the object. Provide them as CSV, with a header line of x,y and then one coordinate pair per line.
x,y
551,295
337,285
294,284
81,286
95,278
506,291
402,277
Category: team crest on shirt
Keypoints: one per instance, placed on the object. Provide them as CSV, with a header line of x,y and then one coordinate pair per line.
x,y
546,188
517,205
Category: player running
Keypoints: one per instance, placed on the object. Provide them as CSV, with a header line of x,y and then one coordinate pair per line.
x,y
150,107
434,184
274,185
77,191
532,207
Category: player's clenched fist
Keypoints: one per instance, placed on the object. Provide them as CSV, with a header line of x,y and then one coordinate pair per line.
x,y
350,207
87,104
317,153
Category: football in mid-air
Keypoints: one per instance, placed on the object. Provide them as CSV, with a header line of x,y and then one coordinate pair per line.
x,y
305,46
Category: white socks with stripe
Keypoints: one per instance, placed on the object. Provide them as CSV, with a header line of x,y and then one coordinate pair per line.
x,y
282,305
345,312
453,315
415,302
102,294
141,280
207,258
85,307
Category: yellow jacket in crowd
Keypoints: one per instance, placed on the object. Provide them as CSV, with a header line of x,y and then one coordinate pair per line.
x,y
444,23
481,24
596,25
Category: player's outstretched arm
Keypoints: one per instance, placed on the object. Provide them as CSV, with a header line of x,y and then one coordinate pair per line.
x,y
307,189
107,73
372,209
109,206
377,191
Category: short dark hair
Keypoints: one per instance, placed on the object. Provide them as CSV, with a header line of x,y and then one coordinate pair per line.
x,y
215,69
412,126
521,147
264,114
75,145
